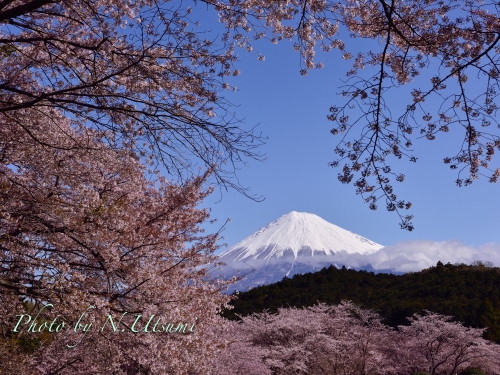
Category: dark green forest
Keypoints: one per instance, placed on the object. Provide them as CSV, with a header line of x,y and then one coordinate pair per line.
x,y
471,294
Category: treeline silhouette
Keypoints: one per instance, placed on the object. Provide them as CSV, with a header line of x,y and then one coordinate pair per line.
x,y
470,293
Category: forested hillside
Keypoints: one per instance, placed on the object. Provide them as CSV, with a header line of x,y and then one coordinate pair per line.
x,y
469,293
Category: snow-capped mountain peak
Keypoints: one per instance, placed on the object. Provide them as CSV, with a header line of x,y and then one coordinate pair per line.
x,y
298,234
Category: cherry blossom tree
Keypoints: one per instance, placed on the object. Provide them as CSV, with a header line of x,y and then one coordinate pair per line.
x,y
435,344
240,356
349,342
315,340
87,237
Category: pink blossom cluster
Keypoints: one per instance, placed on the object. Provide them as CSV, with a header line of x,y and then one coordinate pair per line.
x,y
134,70
83,225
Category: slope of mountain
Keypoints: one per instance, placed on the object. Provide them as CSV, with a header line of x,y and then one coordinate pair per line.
x,y
296,243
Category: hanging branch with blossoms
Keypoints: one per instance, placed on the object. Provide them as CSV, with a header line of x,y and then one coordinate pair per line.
x,y
458,38
136,71
146,77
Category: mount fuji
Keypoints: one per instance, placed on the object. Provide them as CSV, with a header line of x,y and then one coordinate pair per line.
x,y
297,242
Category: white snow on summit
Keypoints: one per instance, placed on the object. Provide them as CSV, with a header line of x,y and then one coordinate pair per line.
x,y
298,234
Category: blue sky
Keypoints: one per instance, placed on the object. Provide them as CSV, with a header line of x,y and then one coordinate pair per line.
x,y
291,111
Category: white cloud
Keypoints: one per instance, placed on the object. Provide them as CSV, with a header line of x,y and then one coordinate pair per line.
x,y
417,255
402,257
